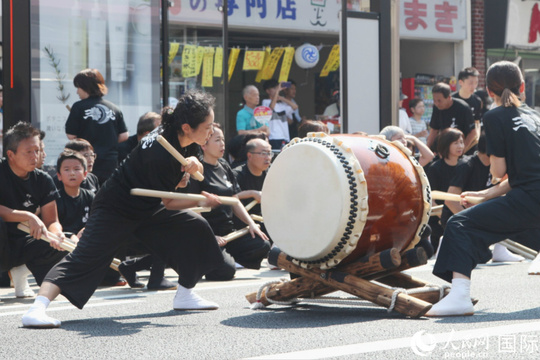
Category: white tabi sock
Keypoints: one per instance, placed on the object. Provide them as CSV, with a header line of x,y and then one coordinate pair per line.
x,y
457,302
186,299
534,268
19,276
502,254
36,317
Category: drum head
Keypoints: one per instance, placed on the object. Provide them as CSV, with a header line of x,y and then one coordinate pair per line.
x,y
307,200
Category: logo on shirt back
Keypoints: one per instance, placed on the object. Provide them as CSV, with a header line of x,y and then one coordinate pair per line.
x,y
149,139
525,121
99,113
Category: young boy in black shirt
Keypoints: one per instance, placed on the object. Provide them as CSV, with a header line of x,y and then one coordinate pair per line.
x,y
26,192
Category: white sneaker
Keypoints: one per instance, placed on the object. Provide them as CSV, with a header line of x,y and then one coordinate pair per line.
x,y
191,301
37,318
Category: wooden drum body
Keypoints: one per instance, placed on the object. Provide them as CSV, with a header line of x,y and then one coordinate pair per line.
x,y
329,199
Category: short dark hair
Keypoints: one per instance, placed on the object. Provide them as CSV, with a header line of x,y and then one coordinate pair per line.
x,y
312,126
414,102
17,133
193,107
79,145
146,122
69,154
41,134
268,84
447,137
91,81
468,72
441,88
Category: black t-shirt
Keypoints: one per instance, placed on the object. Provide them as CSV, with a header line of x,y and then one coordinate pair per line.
x,y
91,183
472,175
98,121
149,166
474,102
28,194
514,134
459,115
247,181
73,211
124,148
220,180
439,174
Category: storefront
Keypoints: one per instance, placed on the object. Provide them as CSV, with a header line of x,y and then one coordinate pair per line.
x,y
54,39
516,37
434,45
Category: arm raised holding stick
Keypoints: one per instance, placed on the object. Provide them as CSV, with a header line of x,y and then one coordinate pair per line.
x,y
182,160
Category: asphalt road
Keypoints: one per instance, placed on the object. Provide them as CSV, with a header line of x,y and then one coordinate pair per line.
x,y
120,323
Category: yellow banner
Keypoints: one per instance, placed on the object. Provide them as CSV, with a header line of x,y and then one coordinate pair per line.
x,y
200,55
267,52
233,57
286,64
218,62
253,60
189,61
270,68
208,64
332,63
173,50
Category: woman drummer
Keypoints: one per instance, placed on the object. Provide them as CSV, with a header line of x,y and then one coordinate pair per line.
x,y
219,179
182,239
513,143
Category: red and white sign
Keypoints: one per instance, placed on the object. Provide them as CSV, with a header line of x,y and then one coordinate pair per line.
x,y
433,19
523,24
262,114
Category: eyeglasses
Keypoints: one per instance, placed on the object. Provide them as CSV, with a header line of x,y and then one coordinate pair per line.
x,y
264,153
90,155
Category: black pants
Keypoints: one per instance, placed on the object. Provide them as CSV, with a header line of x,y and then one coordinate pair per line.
x,y
246,251
38,255
183,239
469,234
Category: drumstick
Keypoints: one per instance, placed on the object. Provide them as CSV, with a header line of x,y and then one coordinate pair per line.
x,y
177,156
226,200
436,210
441,195
257,218
236,234
66,244
200,209
251,205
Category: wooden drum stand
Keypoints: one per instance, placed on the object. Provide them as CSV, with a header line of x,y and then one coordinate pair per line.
x,y
377,278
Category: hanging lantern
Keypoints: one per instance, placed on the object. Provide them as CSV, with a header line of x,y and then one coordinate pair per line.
x,y
306,56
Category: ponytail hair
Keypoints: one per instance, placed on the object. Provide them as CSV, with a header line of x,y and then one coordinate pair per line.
x,y
504,79
193,108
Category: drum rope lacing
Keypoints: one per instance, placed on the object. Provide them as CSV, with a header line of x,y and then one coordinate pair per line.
x,y
342,300
429,287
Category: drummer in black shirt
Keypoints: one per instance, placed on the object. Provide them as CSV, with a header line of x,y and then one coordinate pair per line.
x,y
181,238
450,113
513,143
250,249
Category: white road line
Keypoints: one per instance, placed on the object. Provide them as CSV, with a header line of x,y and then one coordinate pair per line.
x,y
71,307
399,343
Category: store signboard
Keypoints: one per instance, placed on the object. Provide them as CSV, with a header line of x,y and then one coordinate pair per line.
x,y
433,19
523,24
286,15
